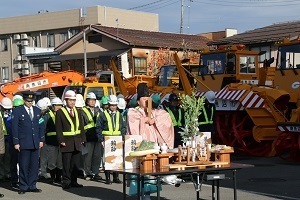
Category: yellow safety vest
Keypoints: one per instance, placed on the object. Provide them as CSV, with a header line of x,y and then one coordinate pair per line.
x,y
175,123
110,126
73,130
206,118
91,123
4,127
53,119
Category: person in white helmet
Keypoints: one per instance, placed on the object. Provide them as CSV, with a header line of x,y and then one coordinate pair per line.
x,y
5,126
48,102
42,104
71,137
122,109
206,119
92,156
110,123
53,150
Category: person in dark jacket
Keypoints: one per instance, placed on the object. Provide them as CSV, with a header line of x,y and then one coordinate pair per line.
x,y
177,116
5,117
71,137
207,119
53,150
14,154
110,123
92,156
28,138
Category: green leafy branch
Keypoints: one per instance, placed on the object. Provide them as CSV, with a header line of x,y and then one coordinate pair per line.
x,y
192,107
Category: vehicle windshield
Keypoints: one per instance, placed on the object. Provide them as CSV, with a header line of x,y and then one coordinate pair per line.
x,y
247,64
212,63
81,90
99,92
288,57
165,75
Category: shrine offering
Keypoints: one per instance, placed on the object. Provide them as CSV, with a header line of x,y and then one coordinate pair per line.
x,y
113,152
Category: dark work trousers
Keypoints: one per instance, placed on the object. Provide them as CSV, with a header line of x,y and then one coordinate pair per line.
x,y
14,159
29,168
71,162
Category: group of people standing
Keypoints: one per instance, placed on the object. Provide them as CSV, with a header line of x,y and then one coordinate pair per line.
x,y
60,136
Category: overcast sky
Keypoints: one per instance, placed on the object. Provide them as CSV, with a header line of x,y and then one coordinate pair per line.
x,y
199,15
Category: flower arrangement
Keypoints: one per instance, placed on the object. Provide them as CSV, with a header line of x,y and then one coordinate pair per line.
x,y
192,106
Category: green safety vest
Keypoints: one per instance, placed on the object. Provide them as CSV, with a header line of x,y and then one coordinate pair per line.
x,y
110,126
91,123
73,130
206,118
53,119
4,127
175,123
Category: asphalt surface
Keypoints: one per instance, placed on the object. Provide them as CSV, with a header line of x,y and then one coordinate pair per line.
x,y
271,178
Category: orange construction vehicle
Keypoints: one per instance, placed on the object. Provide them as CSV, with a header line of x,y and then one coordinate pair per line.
x,y
43,82
52,84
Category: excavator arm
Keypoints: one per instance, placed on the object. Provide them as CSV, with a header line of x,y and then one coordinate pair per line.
x,y
40,81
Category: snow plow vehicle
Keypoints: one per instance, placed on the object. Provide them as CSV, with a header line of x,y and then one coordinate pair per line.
x,y
257,107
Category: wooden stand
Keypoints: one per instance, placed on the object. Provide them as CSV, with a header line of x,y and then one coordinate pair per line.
x,y
163,160
147,162
222,156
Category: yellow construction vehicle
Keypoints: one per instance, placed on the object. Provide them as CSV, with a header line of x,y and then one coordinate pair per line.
x,y
91,84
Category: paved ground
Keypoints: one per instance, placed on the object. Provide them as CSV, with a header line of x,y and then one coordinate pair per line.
x,y
271,178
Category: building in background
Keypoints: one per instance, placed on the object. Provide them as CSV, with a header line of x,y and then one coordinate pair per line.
x,y
138,52
27,41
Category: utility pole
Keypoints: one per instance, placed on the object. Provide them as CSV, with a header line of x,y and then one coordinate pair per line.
x,y
181,18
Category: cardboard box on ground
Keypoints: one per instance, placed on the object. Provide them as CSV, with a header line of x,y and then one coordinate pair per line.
x,y
113,153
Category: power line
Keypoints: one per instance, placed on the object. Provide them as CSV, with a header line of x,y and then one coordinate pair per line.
x,y
145,5
232,5
162,5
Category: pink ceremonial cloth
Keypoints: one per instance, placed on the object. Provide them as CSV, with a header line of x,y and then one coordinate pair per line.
x,y
161,131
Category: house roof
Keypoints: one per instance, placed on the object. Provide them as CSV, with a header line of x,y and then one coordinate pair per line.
x,y
80,56
267,34
140,38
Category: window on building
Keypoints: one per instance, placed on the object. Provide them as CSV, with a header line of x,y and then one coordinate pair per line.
x,y
37,68
5,73
3,44
140,65
35,41
74,32
63,37
50,40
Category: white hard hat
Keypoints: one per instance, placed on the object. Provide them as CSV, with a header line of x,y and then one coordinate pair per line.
x,y
79,101
56,101
98,104
42,104
47,101
70,94
91,95
17,96
210,96
121,103
113,100
6,103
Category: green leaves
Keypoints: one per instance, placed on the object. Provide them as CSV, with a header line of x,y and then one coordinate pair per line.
x,y
192,107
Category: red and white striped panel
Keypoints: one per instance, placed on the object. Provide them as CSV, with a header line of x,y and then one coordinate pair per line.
x,y
289,128
253,100
233,95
